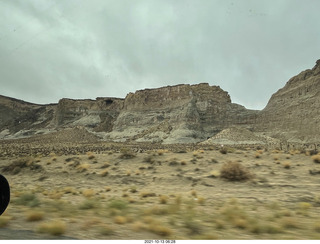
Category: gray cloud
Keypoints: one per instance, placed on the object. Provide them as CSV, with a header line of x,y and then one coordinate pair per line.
x,y
84,49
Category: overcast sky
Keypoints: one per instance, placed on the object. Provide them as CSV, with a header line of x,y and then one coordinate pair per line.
x,y
50,49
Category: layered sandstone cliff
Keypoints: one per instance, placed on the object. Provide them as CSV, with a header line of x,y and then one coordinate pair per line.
x,y
20,117
175,114
293,112
178,114
97,114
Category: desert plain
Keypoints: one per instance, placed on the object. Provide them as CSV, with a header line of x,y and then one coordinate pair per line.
x,y
129,191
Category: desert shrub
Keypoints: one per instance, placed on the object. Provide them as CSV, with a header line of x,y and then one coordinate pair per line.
x,y
105,165
105,230
304,205
313,152
69,190
90,155
4,221
127,153
159,229
163,199
22,163
34,216
28,199
258,154
316,158
118,204
55,228
271,228
224,150
289,222
147,194
234,171
120,220
201,200
193,226
161,151
88,204
317,227
104,173
83,167
286,165
241,223
88,193
214,174
149,159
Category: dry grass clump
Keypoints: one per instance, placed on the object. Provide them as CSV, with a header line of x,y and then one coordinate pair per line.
x,y
83,167
126,153
163,199
69,190
159,229
90,155
147,194
289,223
317,227
105,230
34,216
22,163
257,155
234,171
104,173
88,193
27,199
138,226
316,158
105,165
223,150
287,165
149,159
4,221
120,220
201,200
161,151
56,228
118,204
214,174
88,204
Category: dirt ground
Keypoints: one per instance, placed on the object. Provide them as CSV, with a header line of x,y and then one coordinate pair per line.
x,y
120,191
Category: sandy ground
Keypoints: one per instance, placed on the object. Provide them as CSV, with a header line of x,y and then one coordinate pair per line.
x,y
150,193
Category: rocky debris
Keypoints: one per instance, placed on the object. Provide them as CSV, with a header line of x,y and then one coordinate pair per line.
x,y
240,136
77,134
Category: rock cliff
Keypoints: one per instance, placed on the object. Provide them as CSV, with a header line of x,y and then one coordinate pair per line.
x,y
97,114
293,112
175,114
20,118
178,114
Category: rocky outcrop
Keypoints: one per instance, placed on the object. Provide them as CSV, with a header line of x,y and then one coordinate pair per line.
x,y
293,112
237,136
17,116
97,114
21,119
176,114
